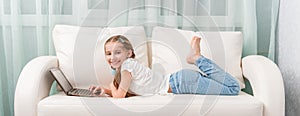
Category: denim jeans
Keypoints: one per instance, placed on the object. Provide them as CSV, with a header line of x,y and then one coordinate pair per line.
x,y
215,82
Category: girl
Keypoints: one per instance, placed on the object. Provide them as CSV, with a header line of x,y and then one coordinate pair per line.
x,y
132,78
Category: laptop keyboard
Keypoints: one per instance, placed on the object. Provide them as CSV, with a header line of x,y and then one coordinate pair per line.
x,y
82,92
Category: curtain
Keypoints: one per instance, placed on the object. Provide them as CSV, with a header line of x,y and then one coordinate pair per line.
x,y
267,15
26,25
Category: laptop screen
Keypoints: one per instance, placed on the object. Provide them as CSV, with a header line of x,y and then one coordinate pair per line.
x,y
61,79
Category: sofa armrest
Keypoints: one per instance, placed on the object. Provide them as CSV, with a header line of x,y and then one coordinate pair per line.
x,y
34,84
267,83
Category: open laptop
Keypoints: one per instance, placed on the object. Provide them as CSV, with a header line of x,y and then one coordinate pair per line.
x,y
67,87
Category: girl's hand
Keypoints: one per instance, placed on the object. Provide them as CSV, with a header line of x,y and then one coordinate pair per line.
x,y
97,90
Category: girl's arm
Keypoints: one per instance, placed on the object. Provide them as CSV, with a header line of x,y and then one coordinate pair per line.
x,y
123,86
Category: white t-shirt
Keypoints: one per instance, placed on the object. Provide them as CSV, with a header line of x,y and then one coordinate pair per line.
x,y
144,80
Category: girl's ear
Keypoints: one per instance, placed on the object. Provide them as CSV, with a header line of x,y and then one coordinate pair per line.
x,y
129,53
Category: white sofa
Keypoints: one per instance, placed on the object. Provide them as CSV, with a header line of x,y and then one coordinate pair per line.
x,y
79,53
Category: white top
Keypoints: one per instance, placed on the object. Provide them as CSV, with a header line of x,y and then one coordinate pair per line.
x,y
144,80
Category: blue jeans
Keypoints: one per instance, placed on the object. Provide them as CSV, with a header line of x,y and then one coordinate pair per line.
x,y
215,82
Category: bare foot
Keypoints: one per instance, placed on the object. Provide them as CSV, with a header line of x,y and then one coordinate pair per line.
x,y
195,52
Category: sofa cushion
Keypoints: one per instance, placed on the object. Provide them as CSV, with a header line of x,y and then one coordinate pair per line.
x,y
80,51
64,39
231,44
171,104
171,46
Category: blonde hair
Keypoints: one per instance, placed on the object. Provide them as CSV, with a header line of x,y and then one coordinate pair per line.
x,y
128,46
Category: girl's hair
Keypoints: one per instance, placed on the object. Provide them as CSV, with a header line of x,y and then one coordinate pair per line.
x,y
127,45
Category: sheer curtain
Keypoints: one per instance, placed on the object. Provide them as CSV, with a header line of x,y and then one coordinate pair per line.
x,y
26,25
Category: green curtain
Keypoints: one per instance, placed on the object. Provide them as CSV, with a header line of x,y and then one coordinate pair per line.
x,y
267,15
26,25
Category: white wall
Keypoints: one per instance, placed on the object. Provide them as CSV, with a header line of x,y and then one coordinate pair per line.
x,y
289,53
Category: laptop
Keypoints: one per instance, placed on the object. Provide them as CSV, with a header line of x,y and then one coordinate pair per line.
x,y
68,88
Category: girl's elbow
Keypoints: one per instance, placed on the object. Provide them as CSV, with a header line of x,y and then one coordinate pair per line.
x,y
118,96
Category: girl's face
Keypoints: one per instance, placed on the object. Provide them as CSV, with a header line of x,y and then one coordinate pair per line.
x,y
116,54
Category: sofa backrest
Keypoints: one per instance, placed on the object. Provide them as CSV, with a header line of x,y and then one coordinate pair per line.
x,y
81,57
170,47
